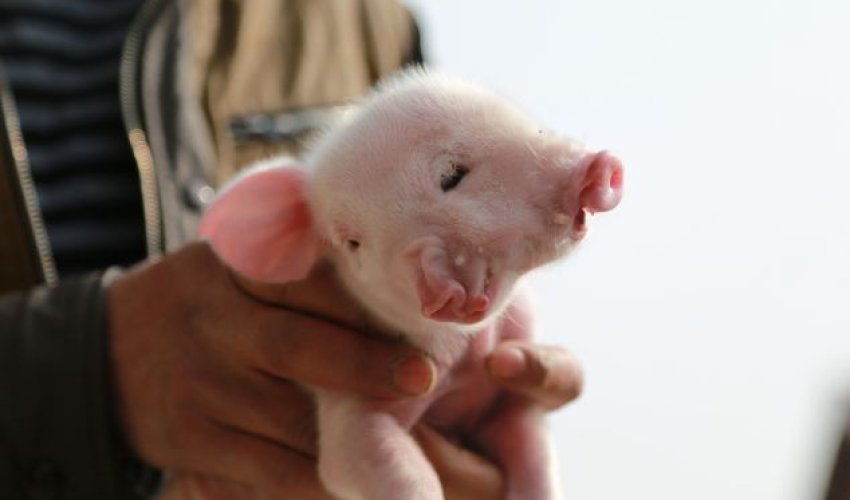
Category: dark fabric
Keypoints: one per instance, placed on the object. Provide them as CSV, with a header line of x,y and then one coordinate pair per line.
x,y
417,53
62,62
58,436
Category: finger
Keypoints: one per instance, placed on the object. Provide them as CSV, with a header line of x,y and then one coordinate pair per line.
x,y
549,376
319,294
275,409
294,346
463,474
252,461
367,367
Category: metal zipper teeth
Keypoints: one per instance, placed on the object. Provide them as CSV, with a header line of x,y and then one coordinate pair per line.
x,y
22,167
286,125
130,107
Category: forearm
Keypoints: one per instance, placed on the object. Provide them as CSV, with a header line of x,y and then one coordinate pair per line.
x,y
57,430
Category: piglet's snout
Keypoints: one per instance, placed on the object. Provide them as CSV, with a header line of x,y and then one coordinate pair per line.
x,y
601,187
595,184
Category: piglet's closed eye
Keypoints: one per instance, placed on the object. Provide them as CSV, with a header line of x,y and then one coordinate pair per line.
x,y
260,225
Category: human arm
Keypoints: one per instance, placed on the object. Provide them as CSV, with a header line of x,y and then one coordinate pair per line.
x,y
57,432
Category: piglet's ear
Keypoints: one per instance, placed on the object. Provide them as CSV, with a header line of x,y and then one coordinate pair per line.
x,y
260,225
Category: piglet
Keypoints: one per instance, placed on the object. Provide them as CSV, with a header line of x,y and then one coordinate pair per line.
x,y
431,201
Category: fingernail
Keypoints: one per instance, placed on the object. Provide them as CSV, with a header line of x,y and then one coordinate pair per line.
x,y
415,375
507,362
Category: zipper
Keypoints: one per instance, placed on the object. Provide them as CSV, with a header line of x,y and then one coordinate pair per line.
x,y
27,187
286,125
133,124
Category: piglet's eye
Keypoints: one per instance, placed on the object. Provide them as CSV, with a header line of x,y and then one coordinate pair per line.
x,y
353,244
452,178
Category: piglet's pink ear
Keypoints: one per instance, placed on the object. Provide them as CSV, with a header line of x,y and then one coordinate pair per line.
x,y
260,225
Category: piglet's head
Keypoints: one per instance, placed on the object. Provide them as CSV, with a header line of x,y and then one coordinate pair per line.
x,y
439,195
432,201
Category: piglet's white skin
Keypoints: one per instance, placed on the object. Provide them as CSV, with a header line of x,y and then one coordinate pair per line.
x,y
432,201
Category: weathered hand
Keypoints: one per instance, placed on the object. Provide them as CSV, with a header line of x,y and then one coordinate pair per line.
x,y
202,372
549,376
546,376
203,358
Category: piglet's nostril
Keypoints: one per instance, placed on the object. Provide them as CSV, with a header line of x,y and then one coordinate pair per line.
x,y
616,181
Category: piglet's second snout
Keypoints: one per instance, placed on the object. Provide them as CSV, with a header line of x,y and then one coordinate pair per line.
x,y
602,185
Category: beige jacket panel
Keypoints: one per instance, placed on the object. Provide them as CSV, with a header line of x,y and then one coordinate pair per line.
x,y
262,56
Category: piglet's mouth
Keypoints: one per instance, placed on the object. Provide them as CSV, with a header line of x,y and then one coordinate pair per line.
x,y
456,287
450,302
457,310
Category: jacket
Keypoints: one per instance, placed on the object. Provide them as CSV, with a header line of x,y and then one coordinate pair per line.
x,y
207,87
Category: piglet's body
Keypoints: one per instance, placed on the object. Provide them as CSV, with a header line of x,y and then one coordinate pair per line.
x,y
431,202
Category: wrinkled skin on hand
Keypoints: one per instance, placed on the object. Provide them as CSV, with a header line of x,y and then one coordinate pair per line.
x,y
202,373
219,407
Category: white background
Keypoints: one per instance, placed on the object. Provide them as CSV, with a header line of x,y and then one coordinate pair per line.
x,y
711,308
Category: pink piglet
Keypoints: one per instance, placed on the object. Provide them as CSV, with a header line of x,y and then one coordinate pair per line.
x,y
432,200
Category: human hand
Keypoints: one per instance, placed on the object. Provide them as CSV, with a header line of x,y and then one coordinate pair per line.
x,y
202,371
548,377
214,405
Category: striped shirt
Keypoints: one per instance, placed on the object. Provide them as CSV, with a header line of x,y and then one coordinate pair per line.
x,y
62,59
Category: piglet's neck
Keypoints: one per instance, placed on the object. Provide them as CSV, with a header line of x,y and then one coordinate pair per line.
x,y
446,343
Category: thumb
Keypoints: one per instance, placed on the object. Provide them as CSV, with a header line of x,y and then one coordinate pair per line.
x,y
550,376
